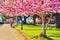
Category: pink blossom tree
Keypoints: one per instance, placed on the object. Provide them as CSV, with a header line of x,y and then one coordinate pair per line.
x,y
52,6
25,7
19,7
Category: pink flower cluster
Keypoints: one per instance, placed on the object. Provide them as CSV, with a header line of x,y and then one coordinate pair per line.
x,y
25,7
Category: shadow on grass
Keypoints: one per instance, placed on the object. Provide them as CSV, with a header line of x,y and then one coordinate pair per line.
x,y
57,35
48,38
36,37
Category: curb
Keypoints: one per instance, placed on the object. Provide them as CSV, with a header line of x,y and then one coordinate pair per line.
x,y
25,36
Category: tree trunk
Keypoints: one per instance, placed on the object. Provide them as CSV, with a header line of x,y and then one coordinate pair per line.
x,y
21,26
48,21
24,20
43,33
57,20
34,21
16,20
2,19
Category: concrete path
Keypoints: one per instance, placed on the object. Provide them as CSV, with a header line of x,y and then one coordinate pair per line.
x,y
8,33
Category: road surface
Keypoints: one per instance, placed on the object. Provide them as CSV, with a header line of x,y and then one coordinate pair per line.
x,y
8,33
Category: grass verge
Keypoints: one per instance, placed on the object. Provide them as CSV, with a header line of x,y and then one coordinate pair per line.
x,y
32,31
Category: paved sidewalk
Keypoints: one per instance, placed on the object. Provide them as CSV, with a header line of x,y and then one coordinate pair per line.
x,y
8,33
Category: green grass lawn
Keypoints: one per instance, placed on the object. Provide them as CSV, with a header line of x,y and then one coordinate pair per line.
x,y
31,31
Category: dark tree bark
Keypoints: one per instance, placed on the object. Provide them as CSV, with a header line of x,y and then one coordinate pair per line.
x,y
16,19
21,26
25,19
34,19
57,20
22,22
11,24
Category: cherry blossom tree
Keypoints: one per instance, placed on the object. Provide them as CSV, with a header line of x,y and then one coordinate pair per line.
x,y
52,6
20,8
25,7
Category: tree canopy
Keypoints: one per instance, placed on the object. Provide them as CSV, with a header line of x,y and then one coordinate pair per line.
x,y
25,7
